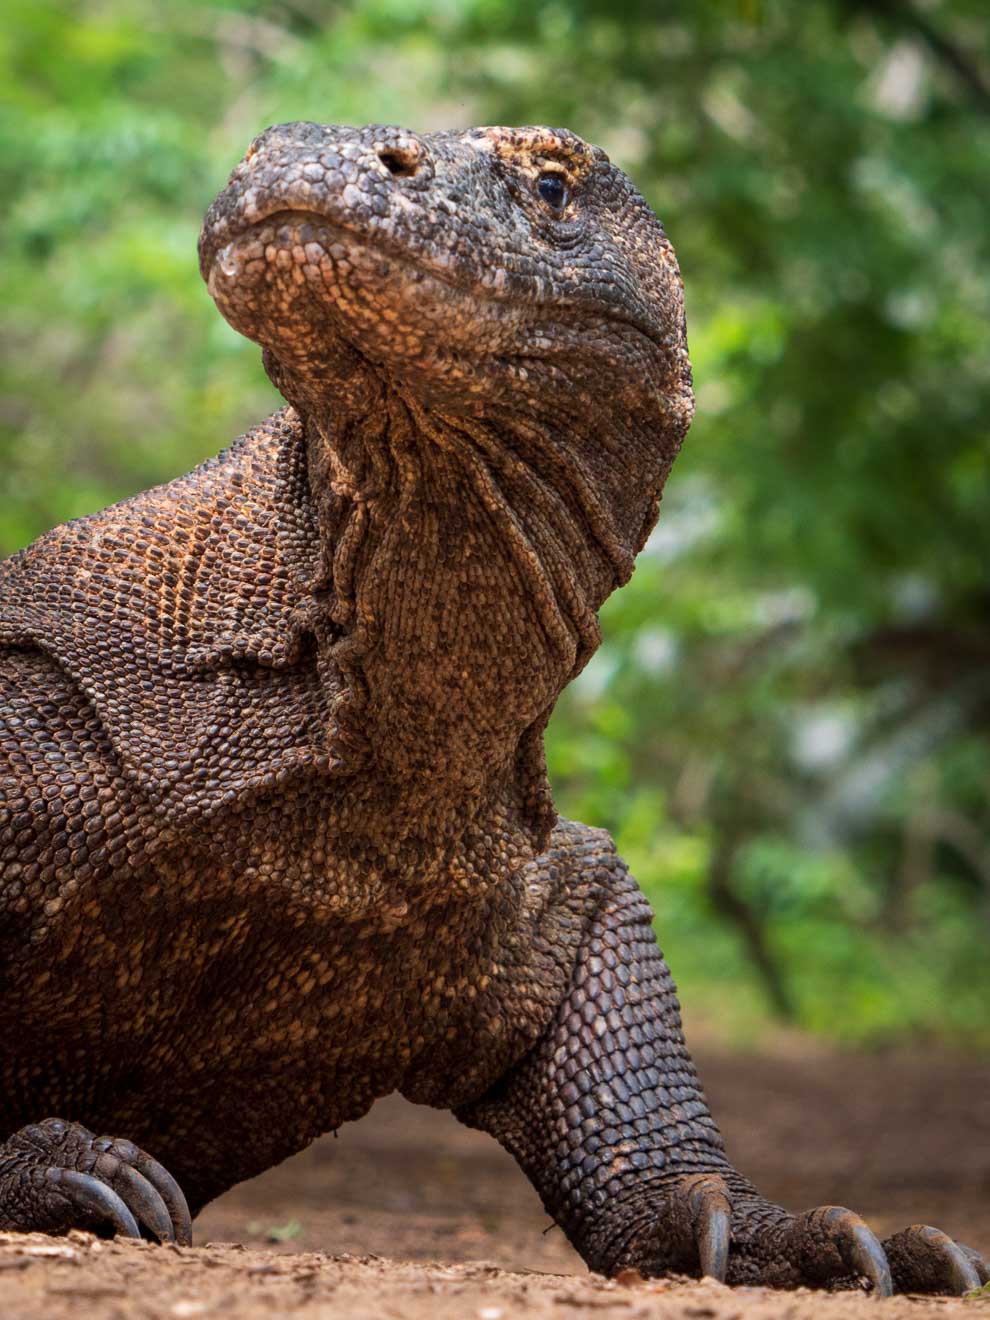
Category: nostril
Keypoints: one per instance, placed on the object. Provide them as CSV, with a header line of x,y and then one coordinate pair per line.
x,y
402,160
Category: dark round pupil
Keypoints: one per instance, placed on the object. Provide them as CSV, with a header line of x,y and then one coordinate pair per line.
x,y
551,189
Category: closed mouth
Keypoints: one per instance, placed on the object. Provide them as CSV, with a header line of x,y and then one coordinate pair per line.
x,y
329,231
294,217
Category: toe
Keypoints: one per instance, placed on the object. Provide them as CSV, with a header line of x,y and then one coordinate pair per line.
x,y
832,1243
688,1232
926,1260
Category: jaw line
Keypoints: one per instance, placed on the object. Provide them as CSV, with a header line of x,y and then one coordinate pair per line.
x,y
393,250
374,243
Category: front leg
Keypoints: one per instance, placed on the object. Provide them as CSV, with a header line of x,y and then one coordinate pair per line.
x,y
608,1120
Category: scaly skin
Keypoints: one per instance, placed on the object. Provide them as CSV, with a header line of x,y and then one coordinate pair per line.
x,y
276,836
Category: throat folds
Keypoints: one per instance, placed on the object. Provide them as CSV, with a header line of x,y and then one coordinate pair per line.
x,y
463,560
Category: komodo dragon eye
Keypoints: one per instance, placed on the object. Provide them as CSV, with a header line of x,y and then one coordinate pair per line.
x,y
552,189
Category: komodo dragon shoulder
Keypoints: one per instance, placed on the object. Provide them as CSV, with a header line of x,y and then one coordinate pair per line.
x,y
181,614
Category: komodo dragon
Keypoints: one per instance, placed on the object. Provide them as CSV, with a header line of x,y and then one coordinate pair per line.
x,y
276,836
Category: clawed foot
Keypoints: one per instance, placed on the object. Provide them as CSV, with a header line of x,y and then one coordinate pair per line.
x,y
831,1245
703,1229
56,1175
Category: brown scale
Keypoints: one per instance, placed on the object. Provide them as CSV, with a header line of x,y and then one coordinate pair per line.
x,y
276,836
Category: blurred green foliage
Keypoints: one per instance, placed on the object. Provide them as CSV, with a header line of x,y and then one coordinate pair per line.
x,y
786,726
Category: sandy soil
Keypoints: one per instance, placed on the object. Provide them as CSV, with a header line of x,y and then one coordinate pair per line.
x,y
409,1215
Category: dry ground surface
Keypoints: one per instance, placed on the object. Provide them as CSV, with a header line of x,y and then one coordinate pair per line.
x,y
409,1215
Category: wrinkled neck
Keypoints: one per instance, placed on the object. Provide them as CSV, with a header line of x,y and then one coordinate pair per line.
x,y
464,560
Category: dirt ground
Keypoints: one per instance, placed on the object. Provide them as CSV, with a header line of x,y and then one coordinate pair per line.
x,y
409,1215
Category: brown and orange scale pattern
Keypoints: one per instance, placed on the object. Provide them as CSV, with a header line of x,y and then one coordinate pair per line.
x,y
276,836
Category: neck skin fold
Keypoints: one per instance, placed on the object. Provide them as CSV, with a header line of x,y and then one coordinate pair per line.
x,y
462,566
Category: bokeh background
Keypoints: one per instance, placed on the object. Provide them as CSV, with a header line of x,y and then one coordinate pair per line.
x,y
786,728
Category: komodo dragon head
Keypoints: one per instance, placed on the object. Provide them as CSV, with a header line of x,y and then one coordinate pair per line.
x,y
491,272
484,333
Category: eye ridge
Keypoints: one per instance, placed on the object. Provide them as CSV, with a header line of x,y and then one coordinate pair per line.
x,y
553,189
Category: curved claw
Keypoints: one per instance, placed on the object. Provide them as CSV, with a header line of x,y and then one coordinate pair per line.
x,y
162,1183
711,1218
171,1193
979,1263
927,1260
144,1202
713,1244
867,1257
96,1198
963,1277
